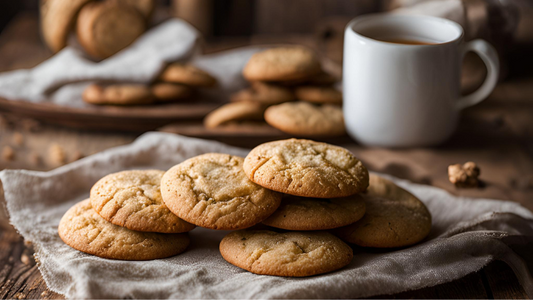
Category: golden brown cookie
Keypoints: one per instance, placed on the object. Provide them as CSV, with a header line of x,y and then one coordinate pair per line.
x,y
132,199
105,28
118,94
318,94
166,92
212,191
57,18
282,64
236,111
188,75
83,229
306,119
394,218
306,168
265,93
145,7
292,254
302,213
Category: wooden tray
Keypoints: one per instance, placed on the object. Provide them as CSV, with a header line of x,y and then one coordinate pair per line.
x,y
242,135
137,118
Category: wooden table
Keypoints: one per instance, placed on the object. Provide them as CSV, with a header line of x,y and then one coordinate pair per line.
x,y
497,134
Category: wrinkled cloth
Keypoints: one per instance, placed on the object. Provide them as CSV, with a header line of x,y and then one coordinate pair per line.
x,y
63,78
466,235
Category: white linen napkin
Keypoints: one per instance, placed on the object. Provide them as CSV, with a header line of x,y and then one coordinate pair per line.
x,y
466,235
62,78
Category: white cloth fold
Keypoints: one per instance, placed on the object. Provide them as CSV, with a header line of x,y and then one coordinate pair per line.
x,y
467,234
62,78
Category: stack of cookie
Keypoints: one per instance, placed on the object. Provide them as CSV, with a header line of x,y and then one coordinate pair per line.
x,y
103,28
298,188
177,82
279,77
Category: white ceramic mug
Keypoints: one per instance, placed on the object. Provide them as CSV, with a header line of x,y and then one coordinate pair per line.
x,y
402,95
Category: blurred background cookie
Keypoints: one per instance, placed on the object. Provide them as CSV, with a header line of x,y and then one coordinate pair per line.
x,y
105,28
187,74
118,94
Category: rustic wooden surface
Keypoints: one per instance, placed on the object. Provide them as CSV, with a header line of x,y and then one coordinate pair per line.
x,y
497,134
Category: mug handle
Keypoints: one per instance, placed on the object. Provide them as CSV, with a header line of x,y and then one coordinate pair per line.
x,y
490,57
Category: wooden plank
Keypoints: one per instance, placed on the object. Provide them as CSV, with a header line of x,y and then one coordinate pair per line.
x,y
503,281
468,287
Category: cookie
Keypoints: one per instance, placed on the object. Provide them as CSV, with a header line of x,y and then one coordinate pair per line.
x,y
83,229
105,28
318,94
212,191
57,19
236,111
145,7
188,75
322,78
118,94
264,93
306,119
292,254
132,199
301,213
306,168
394,218
166,92
282,64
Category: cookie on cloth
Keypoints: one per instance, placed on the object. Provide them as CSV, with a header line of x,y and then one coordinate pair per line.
x,y
318,94
291,254
165,92
187,74
306,119
235,111
83,229
282,64
57,18
394,218
118,94
264,93
132,199
306,168
302,213
105,28
212,191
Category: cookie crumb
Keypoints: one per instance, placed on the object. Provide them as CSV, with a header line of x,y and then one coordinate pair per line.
x,y
44,294
18,139
465,175
8,154
19,296
57,155
25,259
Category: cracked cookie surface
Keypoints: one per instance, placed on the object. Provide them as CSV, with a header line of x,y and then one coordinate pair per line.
x,y
301,213
132,199
212,191
306,168
83,229
394,218
294,254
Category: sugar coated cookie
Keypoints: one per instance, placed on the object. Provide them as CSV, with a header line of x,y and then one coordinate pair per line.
x,y
132,199
394,218
306,168
302,213
282,64
83,229
306,119
292,254
212,191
